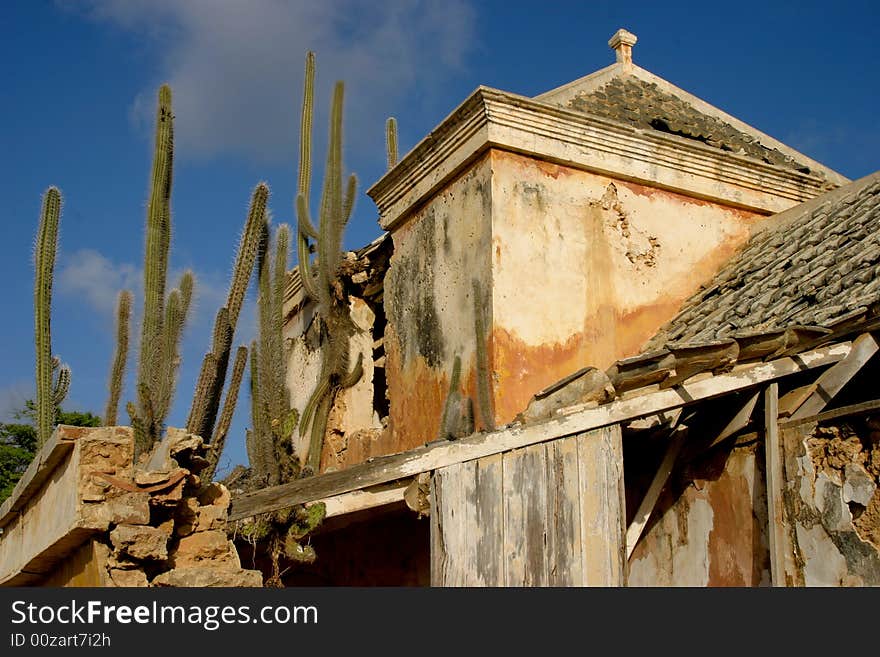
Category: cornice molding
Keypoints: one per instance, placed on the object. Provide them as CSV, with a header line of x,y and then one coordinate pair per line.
x,y
490,118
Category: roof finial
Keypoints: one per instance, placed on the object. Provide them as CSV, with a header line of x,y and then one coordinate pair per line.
x,y
622,43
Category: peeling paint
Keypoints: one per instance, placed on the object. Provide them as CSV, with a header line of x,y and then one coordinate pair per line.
x,y
831,505
710,533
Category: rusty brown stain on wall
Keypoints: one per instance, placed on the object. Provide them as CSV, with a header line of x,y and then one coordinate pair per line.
x,y
727,546
521,370
417,393
548,169
731,555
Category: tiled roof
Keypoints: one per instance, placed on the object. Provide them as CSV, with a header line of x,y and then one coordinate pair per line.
x,y
810,278
643,104
817,267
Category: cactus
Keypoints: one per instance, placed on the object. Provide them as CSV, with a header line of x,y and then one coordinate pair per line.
x,y
161,325
44,265
218,440
391,141
484,392
117,370
209,387
324,285
273,419
61,375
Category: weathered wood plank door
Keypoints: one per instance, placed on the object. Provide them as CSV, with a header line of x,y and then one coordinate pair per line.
x,y
550,514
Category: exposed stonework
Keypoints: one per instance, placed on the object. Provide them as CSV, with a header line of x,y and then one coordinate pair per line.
x,y
206,548
202,576
128,578
141,542
147,527
832,505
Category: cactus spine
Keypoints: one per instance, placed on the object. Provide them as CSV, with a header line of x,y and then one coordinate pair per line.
x,y
324,285
61,386
44,265
391,141
117,370
269,447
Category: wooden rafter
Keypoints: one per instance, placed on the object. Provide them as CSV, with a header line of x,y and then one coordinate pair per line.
x,y
775,511
643,514
573,420
832,380
738,421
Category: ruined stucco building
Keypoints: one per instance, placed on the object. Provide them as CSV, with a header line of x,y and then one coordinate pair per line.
x,y
610,336
594,328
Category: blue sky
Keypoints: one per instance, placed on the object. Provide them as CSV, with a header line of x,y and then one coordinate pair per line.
x,y
80,80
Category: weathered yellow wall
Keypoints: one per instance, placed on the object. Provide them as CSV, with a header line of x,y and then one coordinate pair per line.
x,y
586,268
440,253
573,269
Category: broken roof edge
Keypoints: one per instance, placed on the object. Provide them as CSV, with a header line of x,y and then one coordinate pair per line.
x,y
492,118
571,420
670,365
294,294
563,94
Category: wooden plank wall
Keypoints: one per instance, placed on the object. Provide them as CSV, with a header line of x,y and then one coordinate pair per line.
x,y
550,514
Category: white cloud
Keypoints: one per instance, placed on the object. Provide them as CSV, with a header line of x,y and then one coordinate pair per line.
x,y
96,279
236,67
92,277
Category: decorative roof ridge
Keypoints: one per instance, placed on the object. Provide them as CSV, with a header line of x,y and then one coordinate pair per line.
x,y
625,67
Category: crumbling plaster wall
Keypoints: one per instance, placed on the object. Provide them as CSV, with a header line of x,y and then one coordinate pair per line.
x,y
831,499
586,268
353,424
709,527
441,253
567,268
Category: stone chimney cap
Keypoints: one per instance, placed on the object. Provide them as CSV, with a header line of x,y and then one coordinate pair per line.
x,y
622,43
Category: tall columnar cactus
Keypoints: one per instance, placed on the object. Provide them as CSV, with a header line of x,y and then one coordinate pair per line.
x,y
391,141
268,442
176,312
273,418
117,370
218,440
324,285
44,261
162,325
209,386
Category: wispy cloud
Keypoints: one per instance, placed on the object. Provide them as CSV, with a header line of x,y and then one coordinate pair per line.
x,y
94,278
236,67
